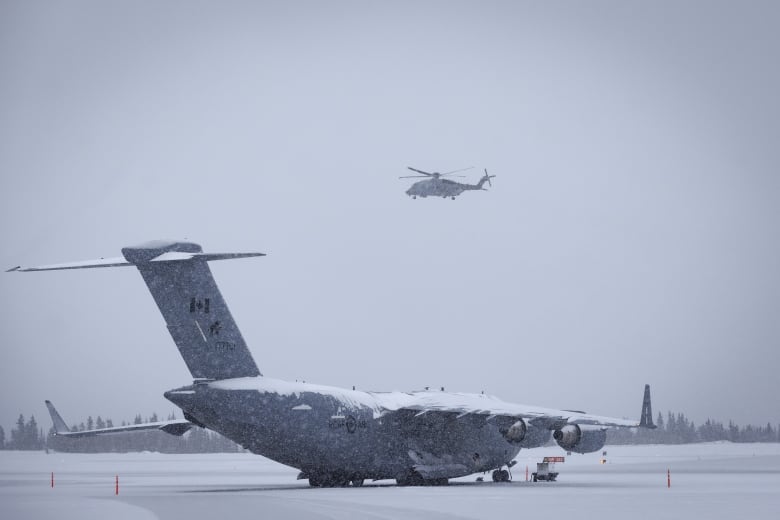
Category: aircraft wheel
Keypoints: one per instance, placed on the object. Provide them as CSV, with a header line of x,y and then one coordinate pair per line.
x,y
412,479
500,475
337,481
328,481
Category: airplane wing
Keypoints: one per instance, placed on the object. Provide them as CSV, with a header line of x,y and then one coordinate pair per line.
x,y
489,407
175,427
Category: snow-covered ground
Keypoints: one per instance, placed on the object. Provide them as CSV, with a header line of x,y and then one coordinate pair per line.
x,y
715,480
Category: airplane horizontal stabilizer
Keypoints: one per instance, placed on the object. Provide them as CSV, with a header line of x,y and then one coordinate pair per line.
x,y
121,262
175,427
86,264
198,319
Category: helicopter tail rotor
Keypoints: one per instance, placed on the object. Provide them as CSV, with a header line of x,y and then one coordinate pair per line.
x,y
487,178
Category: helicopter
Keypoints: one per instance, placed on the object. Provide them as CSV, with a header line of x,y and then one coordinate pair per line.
x,y
435,186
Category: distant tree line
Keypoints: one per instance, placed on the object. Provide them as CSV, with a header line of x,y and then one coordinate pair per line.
x,y
677,429
28,436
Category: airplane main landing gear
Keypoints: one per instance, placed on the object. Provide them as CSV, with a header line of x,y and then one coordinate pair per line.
x,y
333,480
415,479
501,475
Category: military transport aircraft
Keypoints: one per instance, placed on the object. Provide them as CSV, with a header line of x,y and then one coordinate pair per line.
x,y
334,436
435,186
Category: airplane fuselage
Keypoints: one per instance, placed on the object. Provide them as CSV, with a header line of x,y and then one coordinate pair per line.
x,y
321,430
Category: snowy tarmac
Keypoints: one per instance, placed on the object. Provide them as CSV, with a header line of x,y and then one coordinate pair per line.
x,y
712,481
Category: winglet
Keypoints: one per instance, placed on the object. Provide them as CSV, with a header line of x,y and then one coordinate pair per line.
x,y
646,419
59,424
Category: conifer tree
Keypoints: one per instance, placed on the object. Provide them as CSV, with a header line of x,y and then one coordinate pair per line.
x,y
17,434
32,441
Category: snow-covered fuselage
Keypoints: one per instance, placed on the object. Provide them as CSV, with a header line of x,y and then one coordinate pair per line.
x,y
359,435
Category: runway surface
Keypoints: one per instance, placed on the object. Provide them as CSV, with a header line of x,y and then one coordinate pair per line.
x,y
713,481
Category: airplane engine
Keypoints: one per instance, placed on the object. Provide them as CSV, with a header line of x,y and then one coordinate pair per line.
x,y
518,432
535,437
580,439
515,433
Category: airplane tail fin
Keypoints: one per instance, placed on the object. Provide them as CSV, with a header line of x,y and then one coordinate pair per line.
x,y
184,289
59,424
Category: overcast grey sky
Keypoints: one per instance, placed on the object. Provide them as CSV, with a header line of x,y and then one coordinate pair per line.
x,y
630,237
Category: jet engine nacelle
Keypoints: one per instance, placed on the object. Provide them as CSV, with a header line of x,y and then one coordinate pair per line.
x,y
515,433
519,433
580,439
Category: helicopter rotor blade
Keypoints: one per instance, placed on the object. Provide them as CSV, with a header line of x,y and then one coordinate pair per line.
x,y
414,177
420,171
488,178
456,171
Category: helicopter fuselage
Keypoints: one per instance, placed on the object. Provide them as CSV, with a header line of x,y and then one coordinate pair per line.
x,y
439,188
